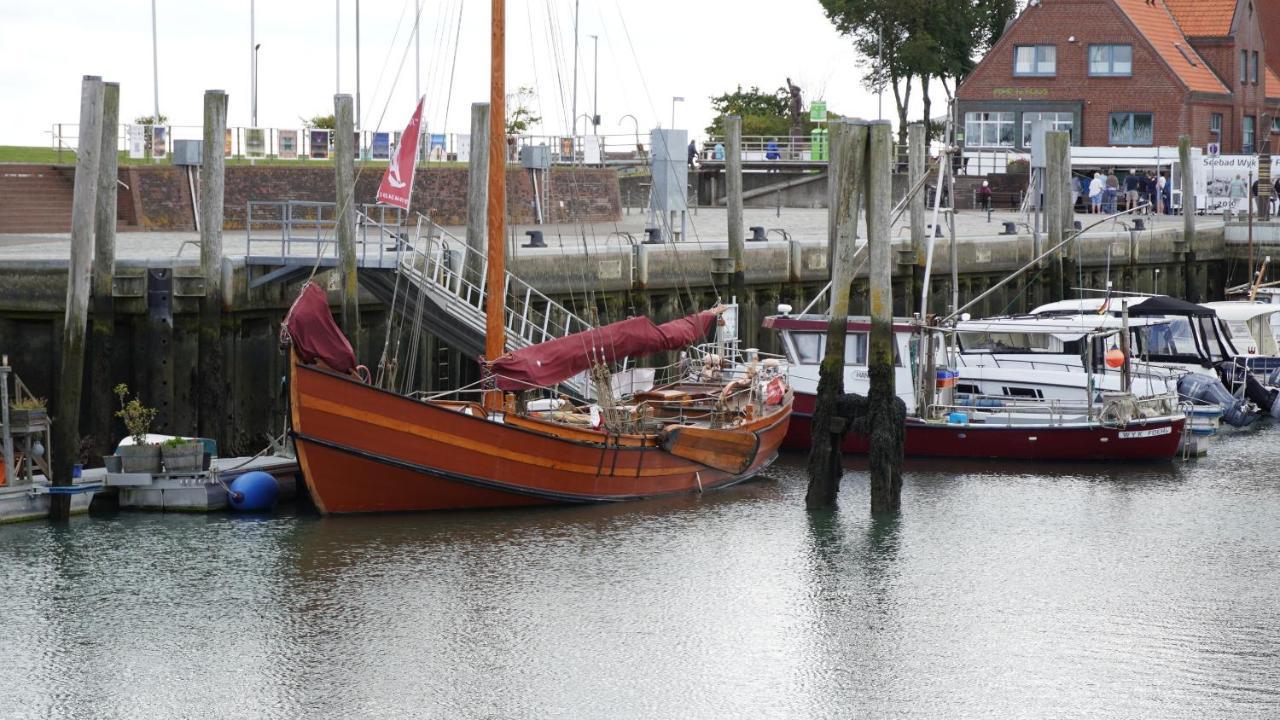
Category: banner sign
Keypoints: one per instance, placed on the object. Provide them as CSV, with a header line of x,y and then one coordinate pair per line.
x,y
462,145
437,147
288,140
319,144
1222,176
159,141
396,187
381,149
818,111
137,142
255,142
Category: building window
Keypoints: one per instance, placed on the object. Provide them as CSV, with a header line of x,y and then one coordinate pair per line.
x,y
989,129
1275,124
1111,60
1035,60
1130,128
1244,66
1053,121
1246,140
1253,68
1215,126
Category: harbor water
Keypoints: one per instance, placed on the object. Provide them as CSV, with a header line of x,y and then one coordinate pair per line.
x,y
1000,591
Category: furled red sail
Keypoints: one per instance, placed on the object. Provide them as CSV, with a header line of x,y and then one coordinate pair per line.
x,y
315,335
554,361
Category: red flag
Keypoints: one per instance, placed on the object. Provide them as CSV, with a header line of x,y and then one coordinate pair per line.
x,y
397,185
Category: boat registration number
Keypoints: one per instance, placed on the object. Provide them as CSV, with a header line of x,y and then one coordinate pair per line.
x,y
1155,432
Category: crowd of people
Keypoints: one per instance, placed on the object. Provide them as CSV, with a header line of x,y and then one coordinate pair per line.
x,y
1107,194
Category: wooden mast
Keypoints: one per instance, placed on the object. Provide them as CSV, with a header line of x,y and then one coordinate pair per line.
x,y
495,277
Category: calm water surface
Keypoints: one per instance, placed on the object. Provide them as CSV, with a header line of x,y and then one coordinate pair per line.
x,y
1030,591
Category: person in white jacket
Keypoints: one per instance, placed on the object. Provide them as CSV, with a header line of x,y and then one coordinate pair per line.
x,y
1096,186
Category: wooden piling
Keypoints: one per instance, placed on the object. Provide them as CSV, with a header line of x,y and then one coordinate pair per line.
x,y
345,170
845,175
916,207
101,405
733,188
1188,219
477,194
885,412
66,443
1057,199
212,375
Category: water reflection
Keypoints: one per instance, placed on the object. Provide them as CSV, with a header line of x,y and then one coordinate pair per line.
x,y
1031,591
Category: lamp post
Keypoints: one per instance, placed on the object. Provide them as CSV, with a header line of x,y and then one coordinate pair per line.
x,y
253,71
595,84
337,47
674,100
155,66
255,83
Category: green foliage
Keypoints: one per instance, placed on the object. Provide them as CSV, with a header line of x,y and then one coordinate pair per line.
x,y
319,122
520,115
176,442
762,113
1018,167
150,120
136,416
29,403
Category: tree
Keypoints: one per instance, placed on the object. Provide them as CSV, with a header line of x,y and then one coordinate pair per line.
x,y
762,113
319,122
520,115
902,41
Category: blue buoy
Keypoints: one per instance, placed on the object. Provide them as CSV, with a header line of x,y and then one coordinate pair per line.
x,y
253,491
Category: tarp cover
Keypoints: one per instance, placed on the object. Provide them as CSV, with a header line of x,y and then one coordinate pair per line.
x,y
315,335
1165,305
554,361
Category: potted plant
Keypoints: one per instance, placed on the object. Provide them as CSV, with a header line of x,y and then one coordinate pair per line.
x,y
141,456
28,412
182,455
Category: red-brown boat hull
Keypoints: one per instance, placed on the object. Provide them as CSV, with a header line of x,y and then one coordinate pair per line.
x,y
1153,440
366,450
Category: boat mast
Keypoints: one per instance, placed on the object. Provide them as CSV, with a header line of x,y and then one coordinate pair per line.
x,y
495,277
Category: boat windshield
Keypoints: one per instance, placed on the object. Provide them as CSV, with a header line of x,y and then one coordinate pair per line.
x,y
809,346
1176,337
1011,342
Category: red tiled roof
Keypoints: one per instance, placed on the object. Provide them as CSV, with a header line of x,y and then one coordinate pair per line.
x,y
1203,18
1157,24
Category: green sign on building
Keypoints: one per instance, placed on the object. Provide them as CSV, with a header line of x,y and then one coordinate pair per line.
x,y
818,111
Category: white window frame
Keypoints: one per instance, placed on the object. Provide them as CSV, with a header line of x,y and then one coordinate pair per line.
x,y
1000,120
1044,61
1132,128
1110,51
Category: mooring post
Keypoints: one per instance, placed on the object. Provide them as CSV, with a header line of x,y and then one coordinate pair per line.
x,y
477,195
733,186
845,172
210,415
66,445
1055,146
104,268
1190,292
915,206
885,412
344,165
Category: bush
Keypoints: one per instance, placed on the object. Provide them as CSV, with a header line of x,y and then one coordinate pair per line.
x,y
1018,167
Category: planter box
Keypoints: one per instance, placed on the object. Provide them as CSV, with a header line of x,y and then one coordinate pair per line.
x,y
187,457
28,418
139,458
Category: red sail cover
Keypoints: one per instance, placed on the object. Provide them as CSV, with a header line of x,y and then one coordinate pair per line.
x,y
548,363
315,335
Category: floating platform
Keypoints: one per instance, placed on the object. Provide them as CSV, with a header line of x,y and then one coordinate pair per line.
x,y
200,491
30,501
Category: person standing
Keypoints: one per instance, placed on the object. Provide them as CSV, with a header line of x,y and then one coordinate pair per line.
x,y
984,196
1112,192
1131,182
1237,191
693,152
1095,193
1162,201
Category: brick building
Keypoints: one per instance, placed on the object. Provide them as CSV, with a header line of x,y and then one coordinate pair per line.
x,y
1131,73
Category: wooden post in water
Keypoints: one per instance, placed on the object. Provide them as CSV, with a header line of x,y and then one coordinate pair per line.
x,y
477,194
915,171
1056,153
66,428
733,188
1188,220
345,181
885,412
845,172
213,386
104,268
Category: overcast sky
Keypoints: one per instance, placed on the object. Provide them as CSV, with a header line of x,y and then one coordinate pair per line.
x,y
649,52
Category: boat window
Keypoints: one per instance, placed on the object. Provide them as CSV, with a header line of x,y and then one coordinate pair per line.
x,y
1023,392
855,349
808,347
1242,337
1173,338
1009,342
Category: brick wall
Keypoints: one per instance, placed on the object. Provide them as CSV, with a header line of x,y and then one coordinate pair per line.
x,y
575,194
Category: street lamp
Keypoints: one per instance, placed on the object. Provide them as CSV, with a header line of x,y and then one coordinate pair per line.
x,y
255,83
595,84
674,100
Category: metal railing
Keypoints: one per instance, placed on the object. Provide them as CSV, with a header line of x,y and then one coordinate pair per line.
x,y
307,229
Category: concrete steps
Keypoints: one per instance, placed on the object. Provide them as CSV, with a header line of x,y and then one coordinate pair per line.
x,y
37,198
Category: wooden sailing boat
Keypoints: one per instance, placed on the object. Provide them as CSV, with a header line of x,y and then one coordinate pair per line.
x,y
363,449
